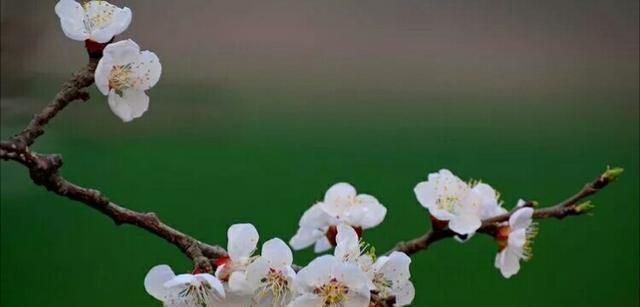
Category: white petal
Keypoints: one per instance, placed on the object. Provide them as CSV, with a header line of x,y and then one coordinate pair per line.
x,y
465,224
305,237
359,298
307,300
155,280
277,252
322,245
348,244
147,69
315,217
131,105
215,283
256,271
71,16
520,203
521,218
338,198
243,239
517,238
238,283
102,73
317,272
396,268
180,280
351,275
367,212
510,263
405,293
122,52
487,199
119,22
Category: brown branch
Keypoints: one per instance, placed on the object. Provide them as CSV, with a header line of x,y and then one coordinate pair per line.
x,y
561,210
44,170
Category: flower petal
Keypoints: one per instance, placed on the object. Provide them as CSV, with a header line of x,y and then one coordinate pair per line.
x,y
304,238
348,244
180,280
238,283
404,293
510,263
338,198
243,239
396,268
132,104
148,70
367,212
315,217
122,52
317,272
277,252
257,271
465,224
155,280
71,16
306,300
521,218
215,283
322,245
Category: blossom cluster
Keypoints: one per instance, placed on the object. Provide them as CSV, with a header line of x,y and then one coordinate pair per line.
x,y
124,73
349,276
352,273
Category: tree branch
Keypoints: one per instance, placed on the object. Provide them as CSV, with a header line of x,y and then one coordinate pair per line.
x,y
44,170
561,210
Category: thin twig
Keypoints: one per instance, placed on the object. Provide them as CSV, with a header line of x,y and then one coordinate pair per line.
x,y
561,210
44,170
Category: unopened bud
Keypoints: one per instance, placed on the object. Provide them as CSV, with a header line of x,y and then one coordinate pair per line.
x,y
611,174
585,207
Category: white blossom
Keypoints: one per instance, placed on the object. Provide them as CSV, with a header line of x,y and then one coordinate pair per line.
x,y
124,73
450,199
391,278
271,276
388,276
98,21
341,204
515,240
326,281
184,290
242,242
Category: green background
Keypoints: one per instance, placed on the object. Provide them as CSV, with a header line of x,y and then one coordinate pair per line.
x,y
263,145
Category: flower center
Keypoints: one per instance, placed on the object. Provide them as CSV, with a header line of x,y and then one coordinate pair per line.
x,y
121,77
502,237
277,284
98,14
382,284
196,294
332,293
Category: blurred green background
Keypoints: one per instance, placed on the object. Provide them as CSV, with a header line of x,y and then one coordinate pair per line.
x,y
263,105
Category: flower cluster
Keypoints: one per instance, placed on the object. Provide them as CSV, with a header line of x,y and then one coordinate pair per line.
x,y
353,273
243,278
462,207
124,72
341,205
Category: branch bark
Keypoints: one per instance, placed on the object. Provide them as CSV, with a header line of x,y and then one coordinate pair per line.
x,y
44,170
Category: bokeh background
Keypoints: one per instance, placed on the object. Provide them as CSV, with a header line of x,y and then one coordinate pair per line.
x,y
264,104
